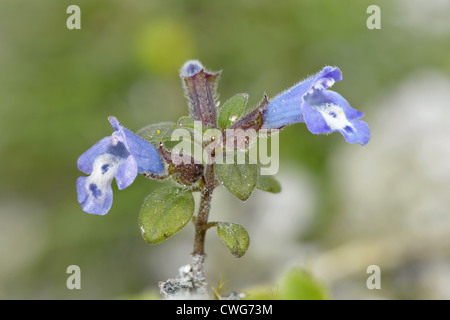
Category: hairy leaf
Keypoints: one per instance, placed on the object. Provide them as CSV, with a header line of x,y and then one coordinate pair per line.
x,y
165,212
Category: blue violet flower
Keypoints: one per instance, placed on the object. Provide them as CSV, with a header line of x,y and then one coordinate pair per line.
x,y
121,156
324,111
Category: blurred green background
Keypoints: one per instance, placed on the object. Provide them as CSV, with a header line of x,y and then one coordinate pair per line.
x,y
58,86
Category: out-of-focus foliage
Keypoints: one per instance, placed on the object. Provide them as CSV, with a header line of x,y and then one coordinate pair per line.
x,y
292,285
58,86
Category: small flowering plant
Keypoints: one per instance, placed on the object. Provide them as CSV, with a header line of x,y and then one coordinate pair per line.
x,y
215,150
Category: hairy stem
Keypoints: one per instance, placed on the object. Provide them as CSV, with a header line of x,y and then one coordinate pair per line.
x,y
201,225
201,222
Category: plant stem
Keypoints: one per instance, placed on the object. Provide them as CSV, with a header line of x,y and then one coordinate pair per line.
x,y
201,225
203,211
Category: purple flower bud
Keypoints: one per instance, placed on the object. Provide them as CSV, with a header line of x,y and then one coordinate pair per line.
x,y
200,90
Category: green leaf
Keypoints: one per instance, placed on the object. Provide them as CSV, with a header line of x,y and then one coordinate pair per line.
x,y
268,183
158,132
165,212
232,110
187,122
239,179
198,131
234,236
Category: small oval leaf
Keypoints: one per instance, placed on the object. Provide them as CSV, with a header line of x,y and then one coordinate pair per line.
x,y
239,179
232,110
165,212
234,236
268,183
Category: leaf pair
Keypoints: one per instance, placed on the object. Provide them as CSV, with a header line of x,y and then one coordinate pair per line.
x,y
166,211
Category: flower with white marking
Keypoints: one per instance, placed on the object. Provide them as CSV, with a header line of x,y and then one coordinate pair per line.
x,y
323,111
121,156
